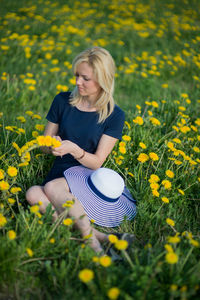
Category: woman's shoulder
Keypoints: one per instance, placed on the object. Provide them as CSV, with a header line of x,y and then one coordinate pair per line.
x,y
117,113
63,96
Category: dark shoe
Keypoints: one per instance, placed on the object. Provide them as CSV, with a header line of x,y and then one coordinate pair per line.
x,y
113,254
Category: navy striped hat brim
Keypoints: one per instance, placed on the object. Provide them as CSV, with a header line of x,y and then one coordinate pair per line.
x,y
104,213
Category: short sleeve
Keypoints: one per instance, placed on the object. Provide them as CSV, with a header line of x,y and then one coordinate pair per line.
x,y
57,107
115,123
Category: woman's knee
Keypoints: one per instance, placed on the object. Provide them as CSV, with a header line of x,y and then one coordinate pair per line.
x,y
33,194
53,187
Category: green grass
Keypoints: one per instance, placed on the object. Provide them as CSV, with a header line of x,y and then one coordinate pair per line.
x,y
155,45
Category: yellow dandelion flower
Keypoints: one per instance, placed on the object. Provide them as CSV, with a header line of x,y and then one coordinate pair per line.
x,y
126,138
196,149
184,95
181,192
143,157
95,259
31,87
171,258
154,185
127,124
3,220
197,122
138,107
177,162
113,293
185,129
24,164
1,174
11,234
173,239
86,275
194,128
154,104
68,222
194,243
169,173
21,119
170,222
170,145
39,127
182,108
167,184
11,200
105,261
169,248
72,81
122,150
112,238
165,199
29,112
118,161
164,85
40,140
52,241
36,116
155,121
142,145
68,203
154,178
153,156
48,56
131,174
173,287
47,140
34,209
121,244
15,190
55,143
176,140
12,171
35,134
183,289
38,214
138,120
150,113
122,144
29,252
88,236
4,185
155,193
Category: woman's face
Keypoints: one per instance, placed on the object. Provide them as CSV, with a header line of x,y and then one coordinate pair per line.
x,y
85,82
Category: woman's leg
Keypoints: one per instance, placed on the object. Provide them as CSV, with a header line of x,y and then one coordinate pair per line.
x,y
58,193
36,194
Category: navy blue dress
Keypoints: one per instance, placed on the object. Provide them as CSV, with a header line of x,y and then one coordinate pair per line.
x,y
80,127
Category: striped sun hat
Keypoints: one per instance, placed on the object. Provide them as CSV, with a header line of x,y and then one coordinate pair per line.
x,y
102,193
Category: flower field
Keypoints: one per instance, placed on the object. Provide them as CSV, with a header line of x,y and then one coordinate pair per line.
x,y
155,45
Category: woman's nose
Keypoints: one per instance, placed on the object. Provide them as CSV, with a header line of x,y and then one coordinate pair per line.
x,y
78,80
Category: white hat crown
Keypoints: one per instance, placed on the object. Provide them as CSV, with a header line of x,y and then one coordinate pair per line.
x,y
108,182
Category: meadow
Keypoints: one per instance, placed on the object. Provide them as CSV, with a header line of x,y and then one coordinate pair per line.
x,y
155,45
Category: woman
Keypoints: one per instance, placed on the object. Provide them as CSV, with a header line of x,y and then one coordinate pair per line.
x,y
88,124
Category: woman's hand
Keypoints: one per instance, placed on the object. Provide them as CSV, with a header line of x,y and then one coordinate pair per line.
x,y
65,148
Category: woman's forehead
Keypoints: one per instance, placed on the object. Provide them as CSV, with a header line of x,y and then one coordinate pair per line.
x,y
84,69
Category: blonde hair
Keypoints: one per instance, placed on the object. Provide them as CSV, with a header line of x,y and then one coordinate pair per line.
x,y
102,63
